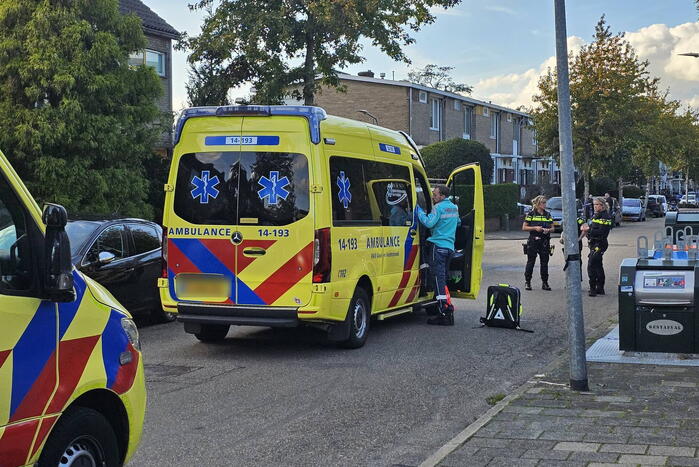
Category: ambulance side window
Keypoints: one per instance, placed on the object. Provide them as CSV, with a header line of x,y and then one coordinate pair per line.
x,y
390,190
15,259
348,188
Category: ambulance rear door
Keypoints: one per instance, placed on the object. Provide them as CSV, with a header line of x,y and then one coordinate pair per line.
x,y
243,192
274,258
466,191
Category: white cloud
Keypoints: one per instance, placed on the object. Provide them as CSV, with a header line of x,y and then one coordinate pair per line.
x,y
658,43
501,9
439,11
516,89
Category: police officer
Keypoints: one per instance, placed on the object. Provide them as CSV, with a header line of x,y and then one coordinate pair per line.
x,y
442,222
597,232
539,224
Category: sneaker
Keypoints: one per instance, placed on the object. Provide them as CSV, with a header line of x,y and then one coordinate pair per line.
x,y
527,285
599,291
545,286
593,293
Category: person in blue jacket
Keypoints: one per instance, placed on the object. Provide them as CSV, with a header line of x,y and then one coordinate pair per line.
x,y
442,222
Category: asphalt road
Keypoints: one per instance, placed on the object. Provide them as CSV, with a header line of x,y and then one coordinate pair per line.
x,y
273,397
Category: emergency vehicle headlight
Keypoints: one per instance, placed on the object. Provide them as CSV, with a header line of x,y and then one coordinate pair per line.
x,y
131,332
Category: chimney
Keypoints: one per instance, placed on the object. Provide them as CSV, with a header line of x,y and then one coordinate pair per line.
x,y
368,74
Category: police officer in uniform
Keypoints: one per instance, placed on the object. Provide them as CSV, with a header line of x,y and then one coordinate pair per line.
x,y
597,232
539,224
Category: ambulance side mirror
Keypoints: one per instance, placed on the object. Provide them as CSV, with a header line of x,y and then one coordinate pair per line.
x,y
58,268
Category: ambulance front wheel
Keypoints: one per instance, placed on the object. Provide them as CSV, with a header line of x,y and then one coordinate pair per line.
x,y
212,332
82,437
358,318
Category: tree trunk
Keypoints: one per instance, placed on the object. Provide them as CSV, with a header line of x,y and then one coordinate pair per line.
x,y
620,184
309,75
586,175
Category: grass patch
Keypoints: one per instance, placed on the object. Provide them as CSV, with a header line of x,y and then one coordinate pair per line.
x,y
492,400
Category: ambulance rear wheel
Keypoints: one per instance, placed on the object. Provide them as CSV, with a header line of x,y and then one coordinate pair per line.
x,y
82,437
358,318
212,332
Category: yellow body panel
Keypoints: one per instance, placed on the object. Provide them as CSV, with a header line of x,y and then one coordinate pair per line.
x,y
53,353
383,256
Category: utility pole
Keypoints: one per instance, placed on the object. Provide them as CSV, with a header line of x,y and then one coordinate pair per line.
x,y
576,326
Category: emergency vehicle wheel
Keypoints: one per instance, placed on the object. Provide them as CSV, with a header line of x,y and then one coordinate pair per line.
x,y
212,332
82,437
358,318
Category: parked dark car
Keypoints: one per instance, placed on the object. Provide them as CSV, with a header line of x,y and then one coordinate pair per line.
x,y
124,255
654,208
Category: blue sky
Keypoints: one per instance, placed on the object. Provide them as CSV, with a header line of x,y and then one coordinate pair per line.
x,y
500,47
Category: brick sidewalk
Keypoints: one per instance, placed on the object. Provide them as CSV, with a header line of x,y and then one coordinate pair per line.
x,y
633,414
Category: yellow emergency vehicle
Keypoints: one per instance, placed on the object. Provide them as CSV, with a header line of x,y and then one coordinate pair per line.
x,y
282,215
72,390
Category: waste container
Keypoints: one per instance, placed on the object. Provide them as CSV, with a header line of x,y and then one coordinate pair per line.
x,y
657,311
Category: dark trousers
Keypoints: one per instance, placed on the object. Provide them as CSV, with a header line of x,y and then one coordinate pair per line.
x,y
439,259
595,269
540,249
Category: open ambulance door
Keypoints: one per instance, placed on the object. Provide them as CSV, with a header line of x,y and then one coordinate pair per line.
x,y
466,191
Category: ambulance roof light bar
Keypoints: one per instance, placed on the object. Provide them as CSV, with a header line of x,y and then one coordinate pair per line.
x,y
314,115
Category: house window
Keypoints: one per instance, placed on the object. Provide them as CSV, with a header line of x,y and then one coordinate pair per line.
x,y
534,137
435,115
486,112
457,105
422,97
509,117
150,58
494,125
467,122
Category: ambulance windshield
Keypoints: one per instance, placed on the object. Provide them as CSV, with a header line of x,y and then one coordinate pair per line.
x,y
230,188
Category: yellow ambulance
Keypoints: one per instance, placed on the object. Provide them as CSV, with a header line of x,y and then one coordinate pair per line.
x,y
283,216
72,390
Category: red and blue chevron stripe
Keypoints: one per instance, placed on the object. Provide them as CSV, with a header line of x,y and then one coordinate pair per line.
x,y
219,256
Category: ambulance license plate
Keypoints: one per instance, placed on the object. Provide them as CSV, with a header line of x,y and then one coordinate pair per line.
x,y
203,287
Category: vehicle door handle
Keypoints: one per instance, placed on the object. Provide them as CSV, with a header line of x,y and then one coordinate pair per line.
x,y
412,233
254,251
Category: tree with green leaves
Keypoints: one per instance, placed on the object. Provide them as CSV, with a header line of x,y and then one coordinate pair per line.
x,y
610,90
207,85
443,157
683,131
279,45
438,77
75,119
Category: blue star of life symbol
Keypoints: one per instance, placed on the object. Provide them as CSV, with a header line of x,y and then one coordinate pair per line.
x,y
273,187
205,187
344,194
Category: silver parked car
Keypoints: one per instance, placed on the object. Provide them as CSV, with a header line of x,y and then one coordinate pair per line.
x,y
633,209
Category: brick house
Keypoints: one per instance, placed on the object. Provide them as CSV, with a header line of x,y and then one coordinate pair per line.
x,y
157,54
430,115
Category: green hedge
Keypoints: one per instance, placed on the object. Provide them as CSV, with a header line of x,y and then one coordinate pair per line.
x,y
632,191
501,199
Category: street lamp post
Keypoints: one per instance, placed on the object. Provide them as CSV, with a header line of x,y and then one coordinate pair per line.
x,y
576,328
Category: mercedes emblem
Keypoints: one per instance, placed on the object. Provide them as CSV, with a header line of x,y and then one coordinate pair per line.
x,y
236,238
